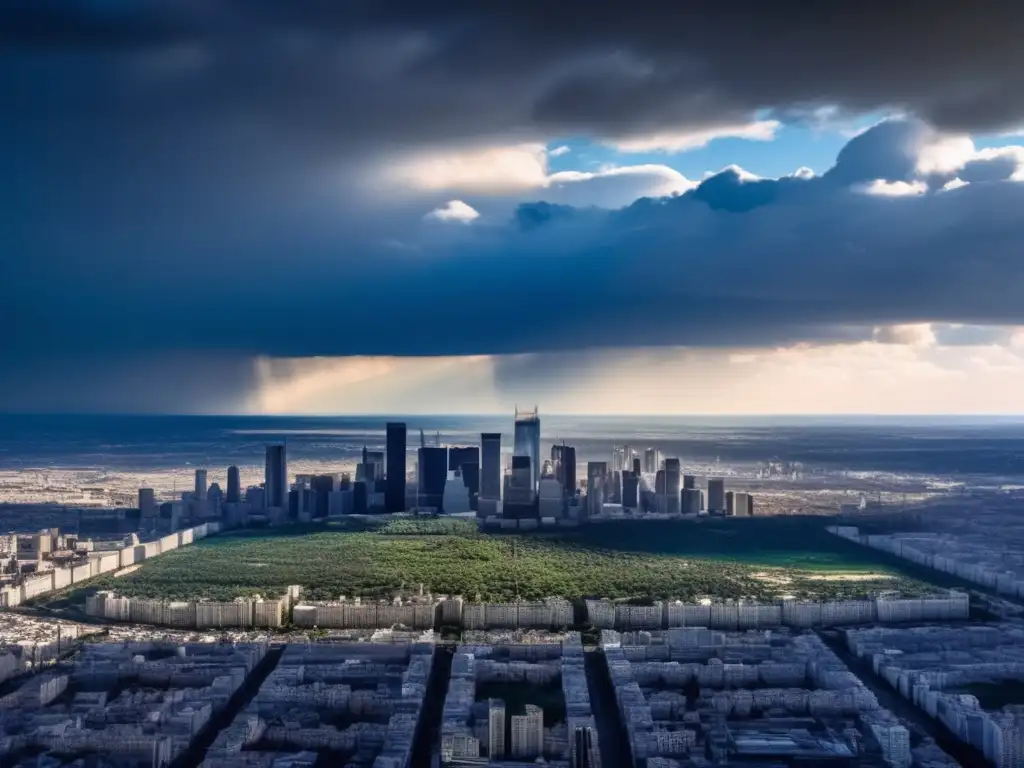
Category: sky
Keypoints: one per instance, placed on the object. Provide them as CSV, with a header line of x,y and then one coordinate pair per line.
x,y
253,206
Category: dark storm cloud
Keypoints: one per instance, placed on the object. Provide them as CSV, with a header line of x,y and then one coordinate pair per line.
x,y
179,177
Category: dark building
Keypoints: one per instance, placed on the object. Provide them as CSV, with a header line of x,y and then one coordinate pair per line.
x,y
234,486
673,479
613,487
432,472
490,465
394,495
636,466
293,503
659,482
584,747
689,481
730,509
471,478
563,457
716,495
520,499
630,490
692,501
359,497
276,477
321,486
459,455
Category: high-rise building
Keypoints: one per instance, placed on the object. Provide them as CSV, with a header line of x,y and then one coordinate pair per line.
x,y
527,441
652,460
490,466
214,498
637,467
619,458
276,478
689,481
496,729
630,490
528,733
431,475
597,473
394,495
584,747
730,510
673,480
520,498
234,485
613,487
462,454
742,504
692,501
716,495
564,458
200,488
147,503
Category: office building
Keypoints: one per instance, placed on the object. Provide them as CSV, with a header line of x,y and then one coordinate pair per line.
x,y
234,485
564,459
431,476
729,509
689,481
275,483
716,495
520,498
214,498
619,458
597,474
742,504
147,503
613,487
471,479
551,501
692,501
584,747
673,480
527,441
360,496
630,490
496,729
528,733
652,460
200,486
490,465
394,495
637,467
462,454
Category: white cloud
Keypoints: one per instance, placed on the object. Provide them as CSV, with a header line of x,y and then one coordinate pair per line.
x,y
681,141
944,154
615,187
885,188
953,184
454,210
559,151
488,170
803,172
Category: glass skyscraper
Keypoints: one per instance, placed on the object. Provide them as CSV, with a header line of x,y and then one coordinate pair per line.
x,y
276,478
527,441
394,490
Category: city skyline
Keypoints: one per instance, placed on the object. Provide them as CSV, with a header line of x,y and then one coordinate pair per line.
x,y
660,213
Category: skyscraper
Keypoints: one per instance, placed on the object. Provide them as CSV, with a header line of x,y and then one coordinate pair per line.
x,y
276,478
147,502
234,485
394,493
652,460
564,458
597,471
689,481
200,489
496,729
520,498
459,455
716,495
431,475
630,490
584,747
673,479
490,466
528,733
527,441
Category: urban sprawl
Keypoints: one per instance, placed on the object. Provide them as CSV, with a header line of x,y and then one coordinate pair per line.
x,y
98,667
